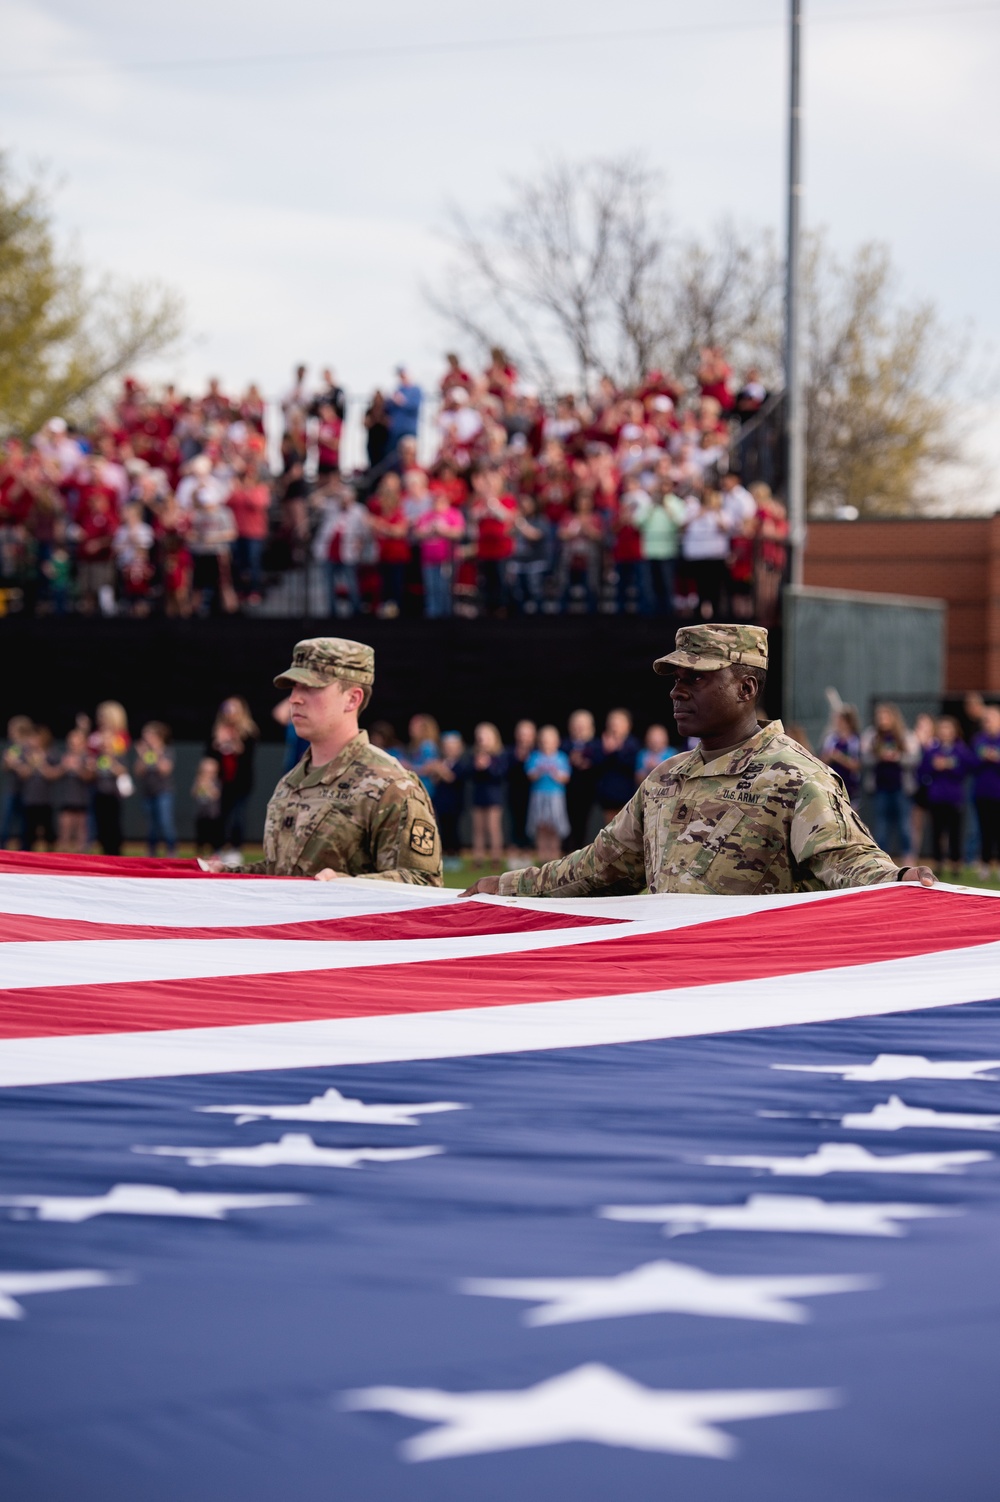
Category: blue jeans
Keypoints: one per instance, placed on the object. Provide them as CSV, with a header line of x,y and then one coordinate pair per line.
x,y
247,555
393,578
437,590
630,576
160,822
590,581
344,575
892,822
527,581
13,819
658,586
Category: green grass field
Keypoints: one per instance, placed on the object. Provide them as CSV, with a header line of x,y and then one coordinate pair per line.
x,y
471,871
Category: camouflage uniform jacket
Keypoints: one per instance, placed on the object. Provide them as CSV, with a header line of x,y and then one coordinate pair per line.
x,y
766,817
362,813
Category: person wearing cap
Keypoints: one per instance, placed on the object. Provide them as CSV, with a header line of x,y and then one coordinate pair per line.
x,y
347,808
749,812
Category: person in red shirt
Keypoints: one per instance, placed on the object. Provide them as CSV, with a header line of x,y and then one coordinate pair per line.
x,y
493,513
628,542
501,375
555,485
454,375
250,503
328,441
391,528
252,409
96,566
581,547
713,378
172,530
446,479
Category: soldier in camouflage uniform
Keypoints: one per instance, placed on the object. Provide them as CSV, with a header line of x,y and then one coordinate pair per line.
x,y
358,813
749,812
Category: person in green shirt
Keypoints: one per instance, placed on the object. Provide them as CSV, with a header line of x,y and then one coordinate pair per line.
x,y
660,527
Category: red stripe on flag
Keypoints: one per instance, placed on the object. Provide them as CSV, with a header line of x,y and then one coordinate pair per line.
x,y
449,921
31,863
856,929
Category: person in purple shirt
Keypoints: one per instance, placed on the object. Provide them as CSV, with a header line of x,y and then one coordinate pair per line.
x,y
986,750
842,751
944,768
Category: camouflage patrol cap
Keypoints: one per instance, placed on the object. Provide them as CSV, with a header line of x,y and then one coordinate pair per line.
x,y
325,659
708,648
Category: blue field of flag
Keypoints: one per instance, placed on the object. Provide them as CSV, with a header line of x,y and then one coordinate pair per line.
x,y
648,1271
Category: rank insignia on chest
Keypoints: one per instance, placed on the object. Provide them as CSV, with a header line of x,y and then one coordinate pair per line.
x,y
288,822
422,837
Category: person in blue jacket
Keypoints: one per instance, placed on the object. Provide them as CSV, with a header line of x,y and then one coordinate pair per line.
x,y
944,768
403,409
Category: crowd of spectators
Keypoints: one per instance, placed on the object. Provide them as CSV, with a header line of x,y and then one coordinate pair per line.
x,y
930,791
934,789
70,797
622,501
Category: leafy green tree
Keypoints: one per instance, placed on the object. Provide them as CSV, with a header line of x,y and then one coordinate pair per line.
x,y
64,334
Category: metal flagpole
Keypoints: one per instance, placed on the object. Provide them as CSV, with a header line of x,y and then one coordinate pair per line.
x,y
794,409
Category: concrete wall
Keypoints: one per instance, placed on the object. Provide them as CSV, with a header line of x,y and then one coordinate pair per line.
x,y
866,646
957,561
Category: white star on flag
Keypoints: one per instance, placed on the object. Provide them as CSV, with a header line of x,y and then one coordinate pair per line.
x,y
778,1212
851,1157
665,1288
14,1286
294,1148
592,1402
145,1199
894,1114
901,1066
332,1106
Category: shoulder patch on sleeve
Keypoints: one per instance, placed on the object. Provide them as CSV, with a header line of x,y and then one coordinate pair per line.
x,y
422,837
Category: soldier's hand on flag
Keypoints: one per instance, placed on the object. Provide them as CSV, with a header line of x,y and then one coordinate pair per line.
x,y
923,874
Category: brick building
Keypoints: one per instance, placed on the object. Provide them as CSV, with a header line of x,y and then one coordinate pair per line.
x,y
956,560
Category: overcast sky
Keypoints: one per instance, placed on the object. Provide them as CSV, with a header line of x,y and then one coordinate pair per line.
x,y
296,197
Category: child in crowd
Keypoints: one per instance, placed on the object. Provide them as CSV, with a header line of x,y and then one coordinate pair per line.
x,y
657,748
841,750
19,731
206,791
487,770
986,750
943,770
548,771
39,770
154,777
73,794
111,732
616,753
423,751
448,794
111,785
57,570
920,813
889,752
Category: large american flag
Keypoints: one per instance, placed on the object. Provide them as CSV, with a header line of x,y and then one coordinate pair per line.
x,y
360,1192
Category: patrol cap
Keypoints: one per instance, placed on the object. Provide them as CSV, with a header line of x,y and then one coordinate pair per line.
x,y
708,648
325,659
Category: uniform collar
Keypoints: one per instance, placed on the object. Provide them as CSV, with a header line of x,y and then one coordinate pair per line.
x,y
733,763
306,775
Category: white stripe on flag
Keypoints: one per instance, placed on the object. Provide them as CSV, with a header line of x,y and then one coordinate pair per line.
x,y
951,978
